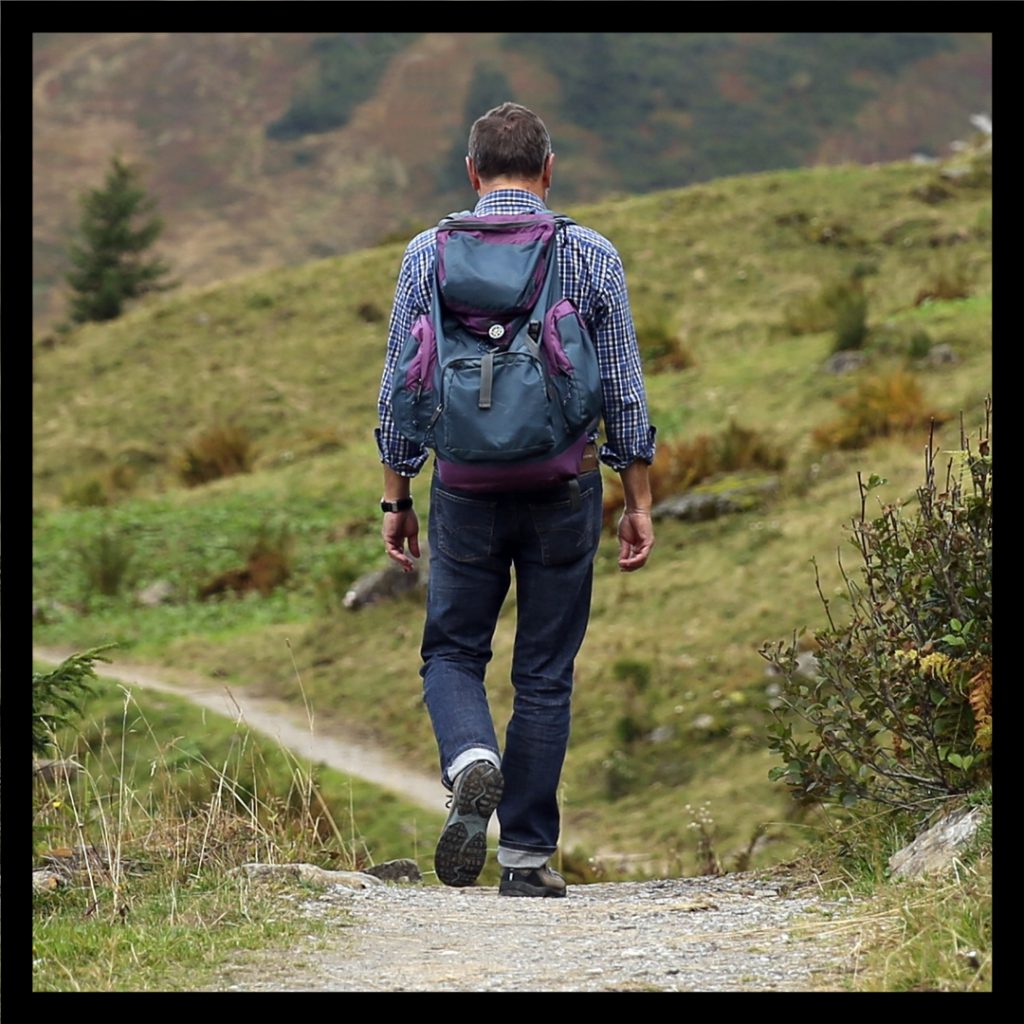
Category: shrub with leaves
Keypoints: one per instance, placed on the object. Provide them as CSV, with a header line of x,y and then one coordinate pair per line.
x,y
268,564
900,713
635,677
951,279
683,464
661,346
851,326
840,306
106,559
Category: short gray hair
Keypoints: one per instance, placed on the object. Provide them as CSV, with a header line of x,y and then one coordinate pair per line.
x,y
509,141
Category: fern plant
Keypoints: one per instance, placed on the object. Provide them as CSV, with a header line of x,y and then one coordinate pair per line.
x,y
56,695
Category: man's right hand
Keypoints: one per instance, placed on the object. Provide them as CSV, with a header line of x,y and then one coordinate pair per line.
x,y
636,539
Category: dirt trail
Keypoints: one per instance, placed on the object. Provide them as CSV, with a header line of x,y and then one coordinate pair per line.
x,y
735,933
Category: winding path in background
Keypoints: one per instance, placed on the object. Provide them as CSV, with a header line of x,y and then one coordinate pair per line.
x,y
276,720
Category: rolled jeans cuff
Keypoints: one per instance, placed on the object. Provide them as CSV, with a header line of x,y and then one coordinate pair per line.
x,y
467,757
509,858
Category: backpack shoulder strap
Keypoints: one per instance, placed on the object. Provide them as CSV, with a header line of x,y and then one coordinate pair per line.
x,y
454,215
561,219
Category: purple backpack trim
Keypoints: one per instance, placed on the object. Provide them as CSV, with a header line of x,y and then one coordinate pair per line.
x,y
557,359
421,369
506,476
509,232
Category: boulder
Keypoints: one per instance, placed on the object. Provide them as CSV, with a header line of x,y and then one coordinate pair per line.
x,y
934,851
716,499
380,585
388,583
845,362
157,593
44,879
942,355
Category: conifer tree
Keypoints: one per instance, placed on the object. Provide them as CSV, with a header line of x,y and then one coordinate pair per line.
x,y
117,227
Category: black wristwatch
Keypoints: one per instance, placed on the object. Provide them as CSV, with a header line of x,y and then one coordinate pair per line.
x,y
402,505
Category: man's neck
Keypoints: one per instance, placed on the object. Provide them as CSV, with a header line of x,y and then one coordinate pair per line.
x,y
496,184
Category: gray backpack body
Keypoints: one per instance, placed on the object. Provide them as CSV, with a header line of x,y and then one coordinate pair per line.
x,y
500,379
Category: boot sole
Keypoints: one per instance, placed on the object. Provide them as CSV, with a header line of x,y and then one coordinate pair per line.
x,y
462,848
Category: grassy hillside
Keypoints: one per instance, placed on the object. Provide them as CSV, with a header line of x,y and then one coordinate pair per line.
x,y
729,283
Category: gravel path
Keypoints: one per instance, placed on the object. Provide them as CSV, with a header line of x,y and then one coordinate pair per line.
x,y
712,934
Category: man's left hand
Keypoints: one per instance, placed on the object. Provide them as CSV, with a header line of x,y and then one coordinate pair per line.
x,y
397,528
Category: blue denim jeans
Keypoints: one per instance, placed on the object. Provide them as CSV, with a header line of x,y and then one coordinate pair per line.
x,y
550,538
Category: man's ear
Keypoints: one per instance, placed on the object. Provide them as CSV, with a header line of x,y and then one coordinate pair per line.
x,y
474,178
548,167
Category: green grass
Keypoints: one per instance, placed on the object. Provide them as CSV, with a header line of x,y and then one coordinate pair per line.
x,y
188,538
171,937
944,941
931,934
145,749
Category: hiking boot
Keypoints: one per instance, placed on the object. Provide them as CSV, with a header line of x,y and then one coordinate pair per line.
x,y
462,848
542,881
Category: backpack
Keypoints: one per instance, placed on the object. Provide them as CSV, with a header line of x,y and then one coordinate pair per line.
x,y
500,379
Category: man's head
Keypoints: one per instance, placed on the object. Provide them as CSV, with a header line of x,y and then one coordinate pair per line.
x,y
510,145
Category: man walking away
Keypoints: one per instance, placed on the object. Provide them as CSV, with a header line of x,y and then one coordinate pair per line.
x,y
548,535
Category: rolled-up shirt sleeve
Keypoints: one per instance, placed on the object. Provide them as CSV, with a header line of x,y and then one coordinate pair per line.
x,y
629,435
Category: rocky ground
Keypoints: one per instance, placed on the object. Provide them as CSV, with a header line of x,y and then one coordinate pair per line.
x,y
734,933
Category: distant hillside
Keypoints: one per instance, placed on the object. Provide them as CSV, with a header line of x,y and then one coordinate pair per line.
x,y
270,149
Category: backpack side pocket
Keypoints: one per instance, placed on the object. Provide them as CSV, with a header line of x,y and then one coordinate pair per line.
x,y
572,360
413,394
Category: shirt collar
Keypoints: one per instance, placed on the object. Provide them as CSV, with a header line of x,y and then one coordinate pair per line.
x,y
509,201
